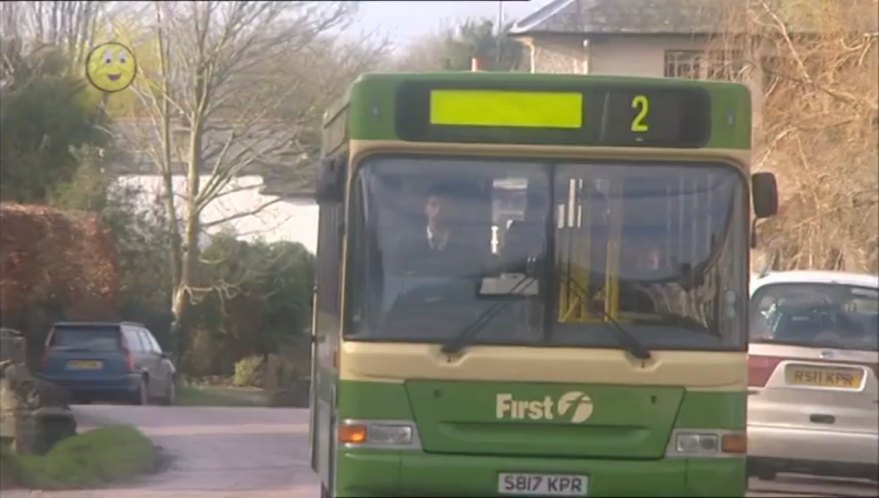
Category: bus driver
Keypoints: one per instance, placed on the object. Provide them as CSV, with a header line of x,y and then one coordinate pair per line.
x,y
440,245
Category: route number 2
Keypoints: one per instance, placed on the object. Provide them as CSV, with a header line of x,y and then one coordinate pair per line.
x,y
641,103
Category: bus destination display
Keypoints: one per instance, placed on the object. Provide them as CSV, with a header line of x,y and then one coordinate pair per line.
x,y
600,116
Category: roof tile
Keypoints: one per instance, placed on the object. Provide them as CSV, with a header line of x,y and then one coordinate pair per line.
x,y
659,16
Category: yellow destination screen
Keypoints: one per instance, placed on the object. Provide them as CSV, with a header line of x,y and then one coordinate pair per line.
x,y
506,108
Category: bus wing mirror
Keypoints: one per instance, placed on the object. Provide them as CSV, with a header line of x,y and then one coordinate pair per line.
x,y
764,191
331,180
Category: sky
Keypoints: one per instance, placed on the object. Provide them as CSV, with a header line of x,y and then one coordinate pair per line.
x,y
405,22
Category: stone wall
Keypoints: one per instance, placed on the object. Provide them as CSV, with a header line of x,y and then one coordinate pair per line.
x,y
558,55
287,377
34,414
12,352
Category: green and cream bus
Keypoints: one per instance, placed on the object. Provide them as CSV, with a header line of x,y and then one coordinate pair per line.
x,y
580,327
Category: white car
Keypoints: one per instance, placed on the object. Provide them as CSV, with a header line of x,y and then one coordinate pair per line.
x,y
813,403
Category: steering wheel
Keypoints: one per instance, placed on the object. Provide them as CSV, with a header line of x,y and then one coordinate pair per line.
x,y
456,291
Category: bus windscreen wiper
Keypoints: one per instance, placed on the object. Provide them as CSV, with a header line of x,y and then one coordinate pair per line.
x,y
462,338
632,345
628,341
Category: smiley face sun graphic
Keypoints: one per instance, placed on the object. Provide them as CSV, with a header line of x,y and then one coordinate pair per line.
x,y
110,67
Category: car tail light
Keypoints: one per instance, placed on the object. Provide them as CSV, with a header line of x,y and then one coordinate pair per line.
x,y
44,361
760,368
129,362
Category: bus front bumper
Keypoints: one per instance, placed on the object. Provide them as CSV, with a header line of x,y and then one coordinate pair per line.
x,y
382,473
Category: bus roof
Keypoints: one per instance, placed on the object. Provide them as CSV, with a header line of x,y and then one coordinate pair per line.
x,y
546,109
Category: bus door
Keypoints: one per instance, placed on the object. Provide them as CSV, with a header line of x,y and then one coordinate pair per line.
x,y
605,231
586,250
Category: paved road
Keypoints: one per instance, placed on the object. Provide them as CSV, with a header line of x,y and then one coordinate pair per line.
x,y
216,452
263,453
802,485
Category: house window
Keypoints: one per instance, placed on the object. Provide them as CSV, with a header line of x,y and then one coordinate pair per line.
x,y
727,65
532,53
701,65
683,64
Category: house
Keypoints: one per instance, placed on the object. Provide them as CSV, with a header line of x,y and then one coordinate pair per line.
x,y
668,38
652,38
656,38
268,177
265,149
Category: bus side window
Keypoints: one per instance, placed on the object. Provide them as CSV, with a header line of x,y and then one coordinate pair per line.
x,y
359,258
329,253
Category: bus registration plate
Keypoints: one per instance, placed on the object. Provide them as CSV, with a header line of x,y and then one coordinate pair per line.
x,y
542,484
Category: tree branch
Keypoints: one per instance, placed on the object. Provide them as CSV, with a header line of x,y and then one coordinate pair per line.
x,y
244,214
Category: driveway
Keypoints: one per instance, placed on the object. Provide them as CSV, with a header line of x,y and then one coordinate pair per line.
x,y
263,453
214,452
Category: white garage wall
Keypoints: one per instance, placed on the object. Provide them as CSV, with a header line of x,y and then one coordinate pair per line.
x,y
281,221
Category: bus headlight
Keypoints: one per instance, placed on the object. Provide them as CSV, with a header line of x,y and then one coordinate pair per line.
x,y
395,434
707,443
697,443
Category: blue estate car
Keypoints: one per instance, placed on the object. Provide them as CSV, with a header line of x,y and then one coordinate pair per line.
x,y
108,361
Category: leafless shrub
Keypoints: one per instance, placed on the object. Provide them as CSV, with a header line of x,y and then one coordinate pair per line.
x,y
812,68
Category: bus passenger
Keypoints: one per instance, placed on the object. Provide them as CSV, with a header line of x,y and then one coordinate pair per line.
x,y
643,264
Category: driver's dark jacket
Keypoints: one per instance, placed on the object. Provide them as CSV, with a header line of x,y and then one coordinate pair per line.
x,y
459,256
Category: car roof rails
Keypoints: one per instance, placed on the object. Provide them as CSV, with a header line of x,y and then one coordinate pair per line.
x,y
90,322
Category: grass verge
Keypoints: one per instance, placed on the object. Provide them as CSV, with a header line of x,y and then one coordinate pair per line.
x,y
219,396
86,460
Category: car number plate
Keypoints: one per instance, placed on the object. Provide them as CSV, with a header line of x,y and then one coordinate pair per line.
x,y
84,365
509,483
805,375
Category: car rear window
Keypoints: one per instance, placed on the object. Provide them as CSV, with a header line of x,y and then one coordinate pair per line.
x,y
86,337
816,315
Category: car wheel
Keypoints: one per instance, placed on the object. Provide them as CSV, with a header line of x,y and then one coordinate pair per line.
x,y
170,393
760,471
141,396
765,475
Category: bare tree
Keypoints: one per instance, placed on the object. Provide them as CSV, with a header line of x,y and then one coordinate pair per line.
x,y
452,47
67,25
239,88
812,67
429,53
